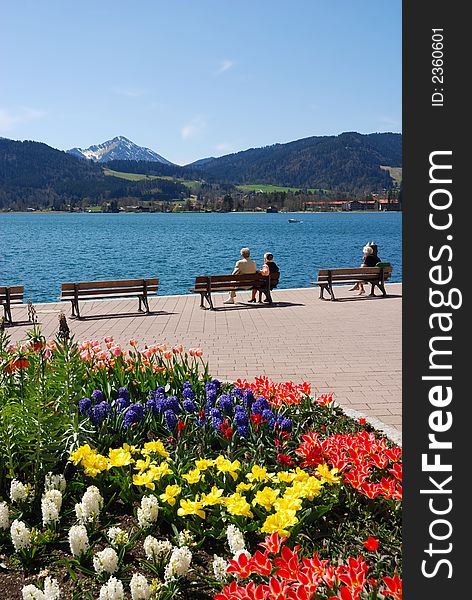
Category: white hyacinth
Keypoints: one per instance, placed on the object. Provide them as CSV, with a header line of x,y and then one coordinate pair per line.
x,y
88,510
117,536
20,535
140,589
219,568
235,539
51,504
147,514
112,590
238,554
19,491
156,549
31,592
54,482
78,540
185,538
4,516
179,563
105,561
52,590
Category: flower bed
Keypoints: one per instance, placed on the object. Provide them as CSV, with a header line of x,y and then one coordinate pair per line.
x,y
128,473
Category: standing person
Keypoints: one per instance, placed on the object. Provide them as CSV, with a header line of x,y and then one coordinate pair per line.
x,y
369,259
245,266
268,268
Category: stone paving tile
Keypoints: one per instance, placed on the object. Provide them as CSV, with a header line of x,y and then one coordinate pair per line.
x,y
351,347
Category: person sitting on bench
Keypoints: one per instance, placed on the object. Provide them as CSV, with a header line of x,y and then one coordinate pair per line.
x,y
245,266
370,259
268,268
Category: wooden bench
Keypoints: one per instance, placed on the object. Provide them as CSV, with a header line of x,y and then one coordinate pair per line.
x,y
376,276
207,284
10,294
98,290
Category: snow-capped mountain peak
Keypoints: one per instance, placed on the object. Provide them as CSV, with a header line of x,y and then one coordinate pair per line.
x,y
119,148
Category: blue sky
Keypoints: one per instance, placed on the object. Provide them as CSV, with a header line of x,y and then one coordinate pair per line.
x,y
198,78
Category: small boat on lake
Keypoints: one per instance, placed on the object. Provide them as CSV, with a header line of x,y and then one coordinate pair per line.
x,y
295,221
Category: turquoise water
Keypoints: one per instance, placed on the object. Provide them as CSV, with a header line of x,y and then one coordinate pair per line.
x,y
41,251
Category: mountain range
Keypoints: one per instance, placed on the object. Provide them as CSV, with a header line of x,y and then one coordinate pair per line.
x,y
34,174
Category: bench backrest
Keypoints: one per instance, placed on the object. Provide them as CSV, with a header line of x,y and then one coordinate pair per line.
x,y
226,282
14,293
104,288
363,273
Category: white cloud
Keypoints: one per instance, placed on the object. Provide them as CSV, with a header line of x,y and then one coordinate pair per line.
x,y
129,92
192,129
9,119
224,146
390,121
225,65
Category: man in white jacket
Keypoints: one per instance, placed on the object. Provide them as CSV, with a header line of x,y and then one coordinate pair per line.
x,y
245,266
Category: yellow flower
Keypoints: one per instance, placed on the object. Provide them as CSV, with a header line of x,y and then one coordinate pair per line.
x,y
286,476
300,475
244,487
189,507
155,446
312,487
328,475
145,479
142,465
226,466
258,474
119,457
170,493
290,501
193,476
266,498
94,464
213,498
130,449
203,463
160,470
280,522
238,505
78,455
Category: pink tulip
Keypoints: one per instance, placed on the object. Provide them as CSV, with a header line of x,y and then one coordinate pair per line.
x,y
168,354
116,351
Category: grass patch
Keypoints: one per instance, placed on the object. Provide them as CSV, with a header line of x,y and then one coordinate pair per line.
x,y
268,188
140,176
395,174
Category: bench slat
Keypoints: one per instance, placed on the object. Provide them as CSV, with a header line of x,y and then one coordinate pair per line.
x,y
14,289
107,291
86,285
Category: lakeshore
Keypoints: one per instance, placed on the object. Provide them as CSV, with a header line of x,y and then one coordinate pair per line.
x,y
351,347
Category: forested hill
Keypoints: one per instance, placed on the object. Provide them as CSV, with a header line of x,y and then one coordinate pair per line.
x,y
348,162
33,174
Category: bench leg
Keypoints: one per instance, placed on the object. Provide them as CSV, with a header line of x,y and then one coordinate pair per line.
x,y
206,296
75,314
7,312
372,288
143,300
382,288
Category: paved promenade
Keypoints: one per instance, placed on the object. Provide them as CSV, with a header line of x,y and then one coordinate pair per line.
x,y
351,347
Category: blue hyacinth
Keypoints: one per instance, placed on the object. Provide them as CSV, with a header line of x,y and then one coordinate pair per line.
x,y
248,398
171,403
85,406
97,396
216,418
170,419
259,406
151,406
121,404
285,424
123,393
188,392
243,431
189,406
241,417
217,384
225,402
269,417
134,414
99,412
238,392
